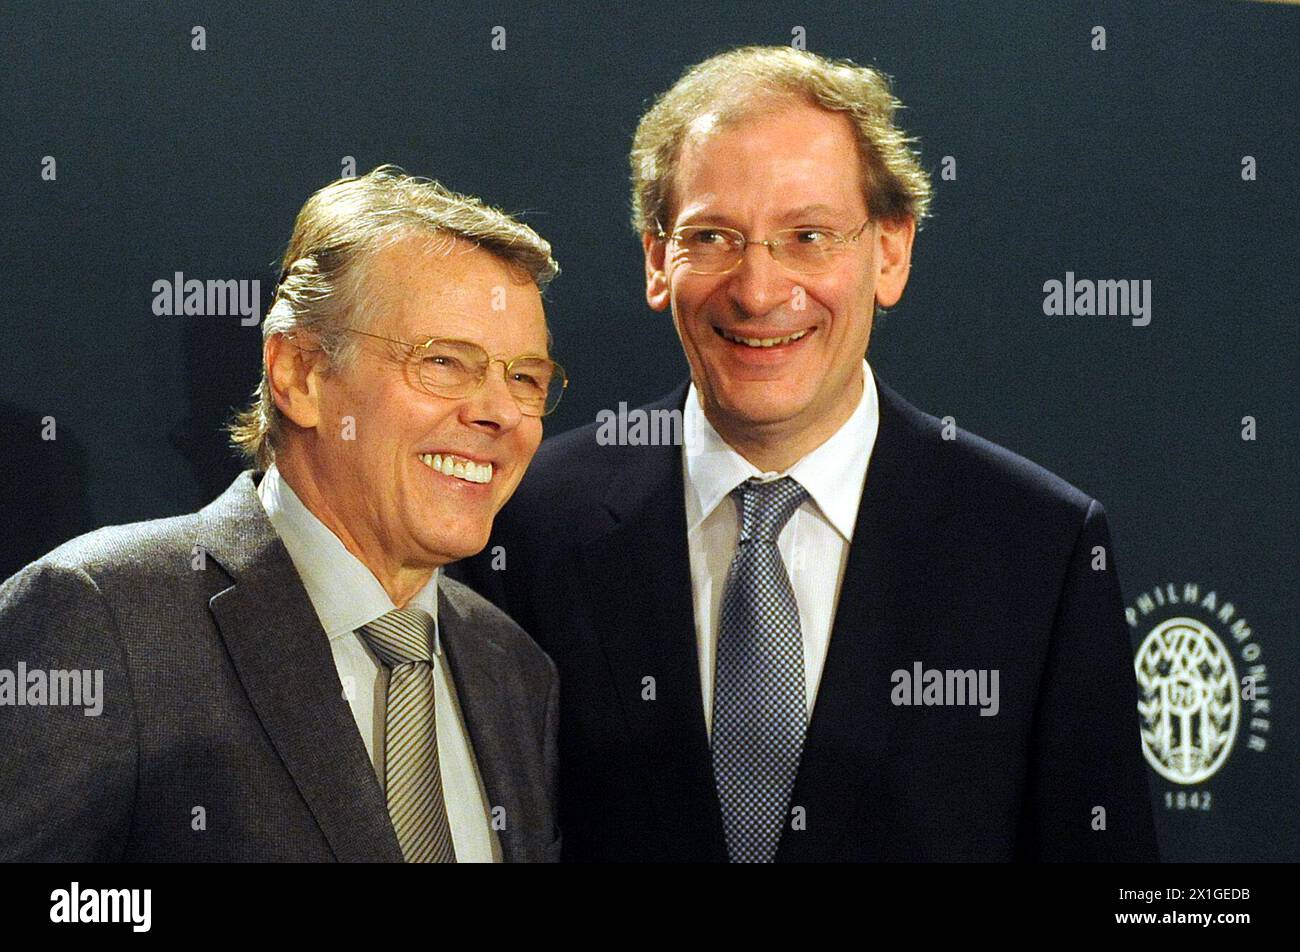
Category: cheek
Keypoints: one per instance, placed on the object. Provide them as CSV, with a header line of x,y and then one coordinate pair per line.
x,y
846,302
342,431
530,438
691,296
350,410
394,421
859,293
696,328
524,447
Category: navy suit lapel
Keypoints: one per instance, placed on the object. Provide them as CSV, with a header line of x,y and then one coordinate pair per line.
x,y
283,659
638,577
845,756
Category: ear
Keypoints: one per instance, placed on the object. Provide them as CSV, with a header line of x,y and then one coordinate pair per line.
x,y
294,372
657,292
895,247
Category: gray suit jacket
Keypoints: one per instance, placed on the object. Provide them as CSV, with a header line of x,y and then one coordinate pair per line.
x,y
220,693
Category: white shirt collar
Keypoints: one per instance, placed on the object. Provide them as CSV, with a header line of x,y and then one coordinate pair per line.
x,y
345,594
833,473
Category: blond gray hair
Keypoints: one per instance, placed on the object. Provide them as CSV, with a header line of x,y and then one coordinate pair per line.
x,y
338,231
734,85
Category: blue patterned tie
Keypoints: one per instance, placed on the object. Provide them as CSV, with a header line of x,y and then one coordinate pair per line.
x,y
759,711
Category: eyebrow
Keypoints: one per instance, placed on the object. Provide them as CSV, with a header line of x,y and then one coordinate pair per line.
x,y
793,214
804,211
423,337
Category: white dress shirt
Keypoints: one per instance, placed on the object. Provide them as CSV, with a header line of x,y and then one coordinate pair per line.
x,y
814,544
346,596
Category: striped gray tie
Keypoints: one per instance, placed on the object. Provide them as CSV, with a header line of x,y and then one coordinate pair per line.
x,y
759,711
403,640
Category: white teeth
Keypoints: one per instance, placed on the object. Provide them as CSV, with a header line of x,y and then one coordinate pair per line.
x,y
458,467
761,341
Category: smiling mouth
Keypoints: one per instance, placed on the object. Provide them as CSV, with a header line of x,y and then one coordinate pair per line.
x,y
763,341
458,467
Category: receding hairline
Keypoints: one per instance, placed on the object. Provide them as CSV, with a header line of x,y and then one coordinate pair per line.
x,y
746,110
730,84
432,245
441,243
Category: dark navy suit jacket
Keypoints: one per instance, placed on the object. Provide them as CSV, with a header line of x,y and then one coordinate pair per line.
x,y
964,556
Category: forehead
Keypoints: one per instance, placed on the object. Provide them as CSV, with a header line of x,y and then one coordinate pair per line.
x,y
796,155
430,286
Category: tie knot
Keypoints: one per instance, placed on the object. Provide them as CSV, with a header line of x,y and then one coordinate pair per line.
x,y
765,508
400,637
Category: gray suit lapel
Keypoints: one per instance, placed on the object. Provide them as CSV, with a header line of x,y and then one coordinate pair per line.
x,y
283,659
476,661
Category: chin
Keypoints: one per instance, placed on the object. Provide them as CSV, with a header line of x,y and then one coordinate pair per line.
x,y
765,407
462,547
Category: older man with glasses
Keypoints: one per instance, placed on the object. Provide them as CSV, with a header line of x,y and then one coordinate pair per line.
x,y
286,674
826,627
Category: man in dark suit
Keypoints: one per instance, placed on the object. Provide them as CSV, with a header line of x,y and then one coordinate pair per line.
x,y
824,627
285,675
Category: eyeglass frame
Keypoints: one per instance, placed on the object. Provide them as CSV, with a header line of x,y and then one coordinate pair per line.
x,y
506,364
769,243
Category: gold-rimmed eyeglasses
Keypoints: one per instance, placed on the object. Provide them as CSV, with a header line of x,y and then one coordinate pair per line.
x,y
447,367
710,249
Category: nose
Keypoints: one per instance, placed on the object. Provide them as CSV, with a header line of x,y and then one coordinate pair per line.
x,y
491,407
757,283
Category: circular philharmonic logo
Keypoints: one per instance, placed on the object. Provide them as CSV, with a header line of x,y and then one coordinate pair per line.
x,y
1200,682
1188,700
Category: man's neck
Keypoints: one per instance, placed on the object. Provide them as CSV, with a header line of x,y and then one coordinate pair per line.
x,y
399,580
774,448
